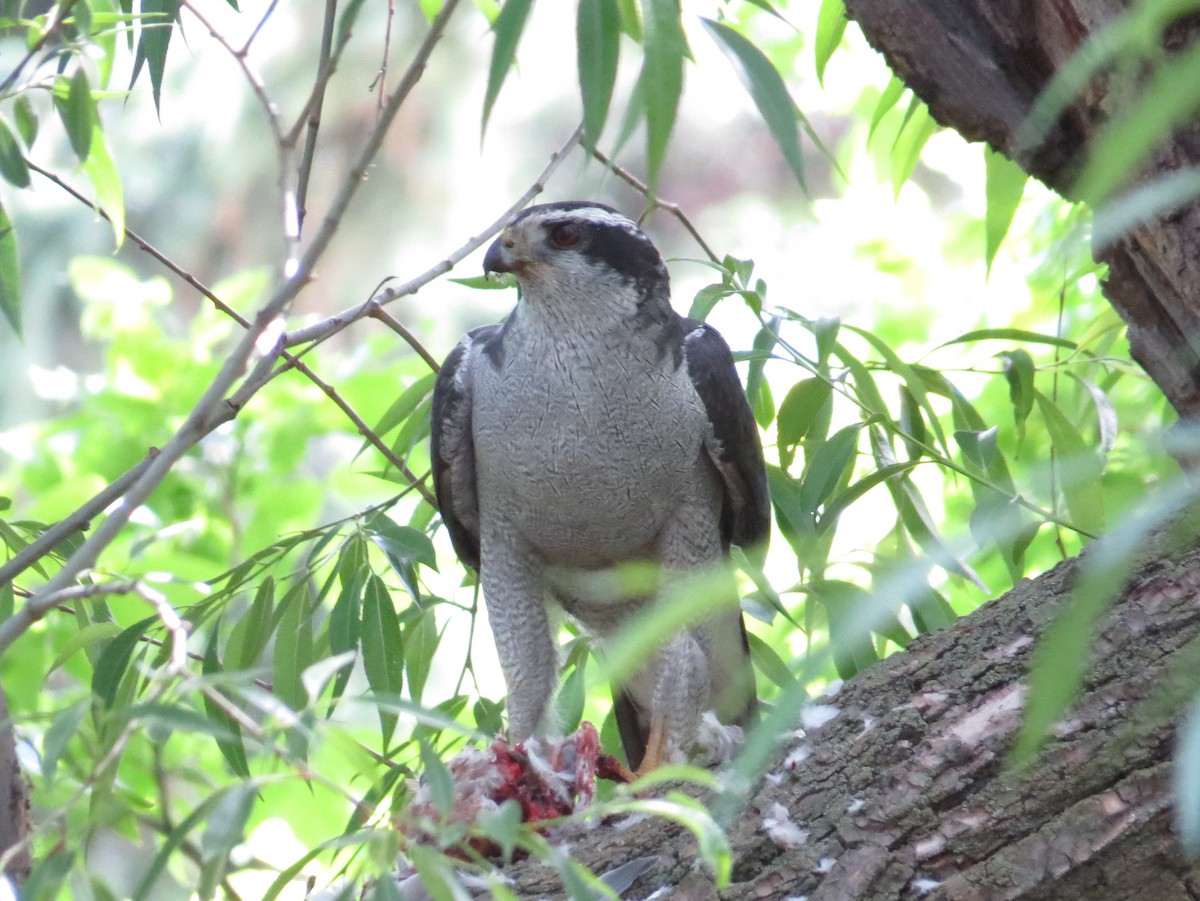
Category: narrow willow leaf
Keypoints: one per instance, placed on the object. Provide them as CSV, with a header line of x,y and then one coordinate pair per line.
x,y
114,661
889,98
571,697
805,404
1187,780
382,649
1010,334
1106,413
760,77
1125,141
598,45
764,342
1058,662
1164,194
106,182
420,643
63,728
1018,372
631,19
507,28
87,635
293,649
909,143
403,406
661,78
1079,467
345,620
232,748
158,22
769,662
172,842
437,777
831,25
827,466
252,632
78,114
1005,184
12,160
26,119
401,544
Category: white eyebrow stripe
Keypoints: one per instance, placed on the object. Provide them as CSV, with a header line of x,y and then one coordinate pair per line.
x,y
589,214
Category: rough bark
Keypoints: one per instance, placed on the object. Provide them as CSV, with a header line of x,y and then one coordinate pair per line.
x,y
14,804
981,64
905,793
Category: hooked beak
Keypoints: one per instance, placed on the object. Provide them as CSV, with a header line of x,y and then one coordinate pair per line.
x,y
501,257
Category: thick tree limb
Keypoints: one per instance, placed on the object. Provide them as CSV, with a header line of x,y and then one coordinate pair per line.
x,y
904,792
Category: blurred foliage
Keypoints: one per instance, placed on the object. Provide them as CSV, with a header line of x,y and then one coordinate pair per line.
x,y
330,635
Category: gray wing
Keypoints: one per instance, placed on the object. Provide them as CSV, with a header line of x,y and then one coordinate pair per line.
x,y
453,447
736,450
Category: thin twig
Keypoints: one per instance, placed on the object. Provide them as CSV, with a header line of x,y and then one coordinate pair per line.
x,y
327,328
259,27
79,521
287,192
409,338
324,64
52,28
655,201
211,410
381,78
292,361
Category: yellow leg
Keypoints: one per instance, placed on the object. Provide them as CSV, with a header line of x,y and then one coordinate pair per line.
x,y
656,746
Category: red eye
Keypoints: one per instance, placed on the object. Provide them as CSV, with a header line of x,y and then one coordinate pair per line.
x,y
566,234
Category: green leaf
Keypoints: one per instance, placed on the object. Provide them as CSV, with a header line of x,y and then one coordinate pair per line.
x,y
1010,334
12,160
437,777
1124,142
598,45
831,25
1187,780
828,465
1142,204
1079,468
769,663
78,114
807,403
571,697
231,747
760,77
106,182
114,661
889,98
1018,372
403,406
382,649
250,635
1005,183
906,152
401,544
345,620
63,728
26,119
158,21
420,643
507,28
171,843
1058,662
661,78
294,647
89,634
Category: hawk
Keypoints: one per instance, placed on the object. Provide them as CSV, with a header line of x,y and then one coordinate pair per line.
x,y
593,427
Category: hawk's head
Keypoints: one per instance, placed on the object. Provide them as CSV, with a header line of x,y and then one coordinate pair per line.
x,y
579,248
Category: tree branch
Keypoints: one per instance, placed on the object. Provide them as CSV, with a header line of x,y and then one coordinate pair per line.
x,y
212,409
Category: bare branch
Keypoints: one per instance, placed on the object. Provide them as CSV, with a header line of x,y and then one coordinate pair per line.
x,y
655,201
313,110
211,409
409,338
327,328
79,521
